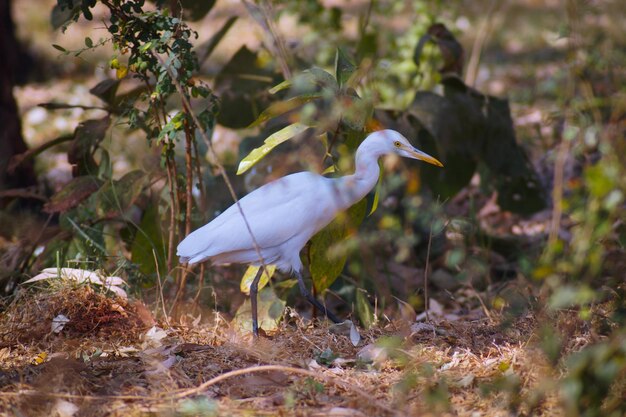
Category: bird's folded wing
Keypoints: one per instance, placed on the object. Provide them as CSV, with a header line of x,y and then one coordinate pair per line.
x,y
275,212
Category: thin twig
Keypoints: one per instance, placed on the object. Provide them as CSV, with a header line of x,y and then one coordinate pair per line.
x,y
482,303
200,283
426,267
472,66
557,192
221,168
172,231
200,180
332,143
160,288
287,369
261,14
368,15
188,203
176,395
18,159
188,166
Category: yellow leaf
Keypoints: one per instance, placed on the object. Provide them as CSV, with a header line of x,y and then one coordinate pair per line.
x,y
270,310
251,272
40,358
121,72
270,143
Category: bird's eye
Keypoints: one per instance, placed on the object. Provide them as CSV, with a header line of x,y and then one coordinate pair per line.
x,y
396,144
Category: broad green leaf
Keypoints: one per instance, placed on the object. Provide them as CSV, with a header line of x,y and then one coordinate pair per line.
x,y
344,67
322,79
309,81
87,136
117,196
326,267
364,309
249,275
281,107
242,86
270,143
270,312
95,240
148,242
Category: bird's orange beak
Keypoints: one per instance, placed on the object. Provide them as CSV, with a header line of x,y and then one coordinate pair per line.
x,y
423,156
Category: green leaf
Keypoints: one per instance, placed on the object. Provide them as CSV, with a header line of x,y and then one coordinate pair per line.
x,y
282,107
326,267
344,67
88,42
280,87
322,79
117,196
148,242
105,168
242,86
60,16
249,275
270,310
270,143
597,181
364,309
87,136
355,112
59,47
91,240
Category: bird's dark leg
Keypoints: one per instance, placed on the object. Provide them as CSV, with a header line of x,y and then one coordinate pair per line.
x,y
307,294
254,289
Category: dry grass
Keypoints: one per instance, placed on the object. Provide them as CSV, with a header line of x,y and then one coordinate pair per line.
x,y
103,363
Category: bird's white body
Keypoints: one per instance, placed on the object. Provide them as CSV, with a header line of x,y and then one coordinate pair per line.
x,y
284,214
274,213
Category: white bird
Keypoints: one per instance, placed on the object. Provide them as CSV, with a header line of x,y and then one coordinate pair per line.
x,y
284,214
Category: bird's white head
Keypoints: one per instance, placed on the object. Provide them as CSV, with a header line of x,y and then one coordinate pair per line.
x,y
389,141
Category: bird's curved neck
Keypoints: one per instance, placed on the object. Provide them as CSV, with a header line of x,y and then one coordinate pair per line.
x,y
356,186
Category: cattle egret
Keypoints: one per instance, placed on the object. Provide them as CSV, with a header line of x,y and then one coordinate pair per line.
x,y
284,214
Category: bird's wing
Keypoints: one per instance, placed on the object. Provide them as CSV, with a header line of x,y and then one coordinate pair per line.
x,y
276,212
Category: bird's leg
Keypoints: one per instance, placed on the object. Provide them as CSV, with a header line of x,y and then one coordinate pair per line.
x,y
307,294
254,289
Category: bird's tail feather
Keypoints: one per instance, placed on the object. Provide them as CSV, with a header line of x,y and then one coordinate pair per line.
x,y
190,249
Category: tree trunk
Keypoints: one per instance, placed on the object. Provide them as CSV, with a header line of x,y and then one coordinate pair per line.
x,y
11,140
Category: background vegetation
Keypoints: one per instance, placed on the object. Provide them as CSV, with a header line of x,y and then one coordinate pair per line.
x,y
142,120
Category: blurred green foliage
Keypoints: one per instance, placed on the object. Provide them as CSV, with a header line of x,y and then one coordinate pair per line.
x,y
346,82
